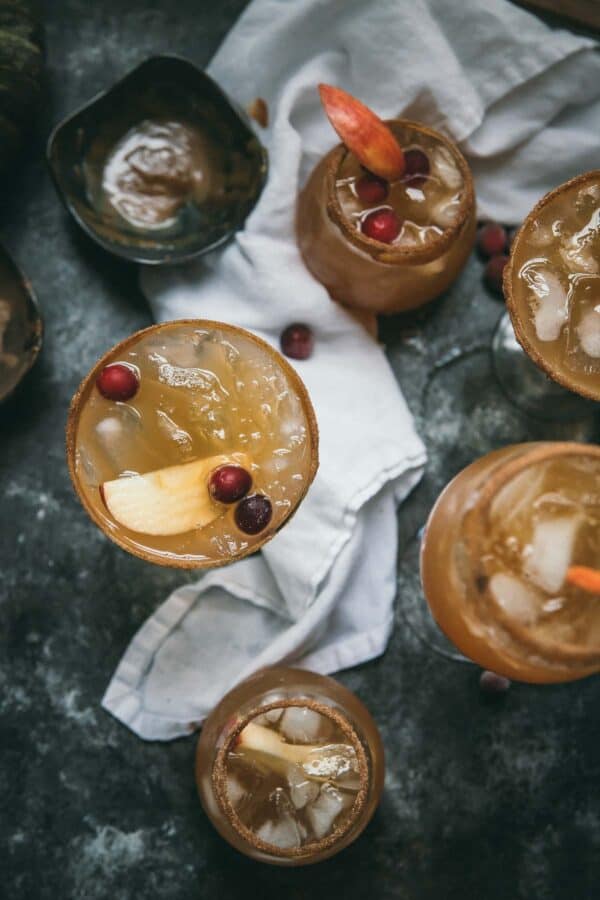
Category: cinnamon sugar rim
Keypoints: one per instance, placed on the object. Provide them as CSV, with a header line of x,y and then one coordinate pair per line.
x,y
87,385
219,780
511,303
477,523
395,253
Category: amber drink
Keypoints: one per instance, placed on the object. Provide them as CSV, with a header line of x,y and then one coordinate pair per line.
x,y
191,443
289,767
388,244
552,285
510,561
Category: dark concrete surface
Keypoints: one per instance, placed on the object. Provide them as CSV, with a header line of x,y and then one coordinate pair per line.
x,y
484,800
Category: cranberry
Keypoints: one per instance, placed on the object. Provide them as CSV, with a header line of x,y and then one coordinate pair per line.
x,y
372,189
493,273
253,513
382,225
492,239
118,382
416,167
491,683
230,483
297,341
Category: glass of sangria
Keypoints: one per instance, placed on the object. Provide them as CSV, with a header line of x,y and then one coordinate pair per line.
x,y
289,767
387,218
552,291
510,561
191,443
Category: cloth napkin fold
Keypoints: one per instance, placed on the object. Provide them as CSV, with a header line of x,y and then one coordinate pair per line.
x,y
524,101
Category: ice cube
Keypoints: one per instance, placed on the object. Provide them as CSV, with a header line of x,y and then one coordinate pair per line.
x,y
269,718
540,234
518,599
446,169
235,791
173,432
282,829
550,306
518,495
583,338
588,198
302,789
283,833
303,725
323,811
548,557
443,214
580,251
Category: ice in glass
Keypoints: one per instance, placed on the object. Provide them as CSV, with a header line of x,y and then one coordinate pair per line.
x,y
511,561
191,443
552,284
289,767
383,229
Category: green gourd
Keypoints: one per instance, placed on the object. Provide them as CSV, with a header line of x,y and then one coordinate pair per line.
x,y
21,62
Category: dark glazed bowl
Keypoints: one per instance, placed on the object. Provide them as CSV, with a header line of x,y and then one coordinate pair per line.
x,y
162,88
21,326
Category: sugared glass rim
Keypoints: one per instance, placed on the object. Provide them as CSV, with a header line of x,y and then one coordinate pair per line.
x,y
396,254
509,295
87,385
219,780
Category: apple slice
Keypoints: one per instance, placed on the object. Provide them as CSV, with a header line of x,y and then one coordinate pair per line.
x,y
329,762
169,501
364,133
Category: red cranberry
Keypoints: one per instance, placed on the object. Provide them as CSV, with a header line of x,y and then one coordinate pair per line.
x,y
118,382
382,225
492,273
372,189
297,341
253,513
492,239
491,683
416,167
228,484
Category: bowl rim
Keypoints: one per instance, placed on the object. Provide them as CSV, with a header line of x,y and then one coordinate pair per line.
x,y
34,307
86,386
128,253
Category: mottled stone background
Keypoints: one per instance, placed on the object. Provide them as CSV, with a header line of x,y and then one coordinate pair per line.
x,y
484,800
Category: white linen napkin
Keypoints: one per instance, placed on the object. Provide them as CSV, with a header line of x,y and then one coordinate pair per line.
x,y
524,100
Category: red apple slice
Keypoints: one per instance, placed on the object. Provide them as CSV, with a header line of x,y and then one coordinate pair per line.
x,y
363,133
169,501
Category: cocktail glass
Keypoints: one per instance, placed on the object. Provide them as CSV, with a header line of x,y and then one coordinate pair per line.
x,y
552,291
386,244
289,767
191,443
510,561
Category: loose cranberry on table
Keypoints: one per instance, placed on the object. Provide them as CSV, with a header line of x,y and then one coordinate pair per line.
x,y
491,683
492,240
228,484
493,272
118,382
371,188
297,341
253,513
417,167
381,225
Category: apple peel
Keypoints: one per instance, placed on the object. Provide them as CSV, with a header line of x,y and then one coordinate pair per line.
x,y
363,133
584,577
